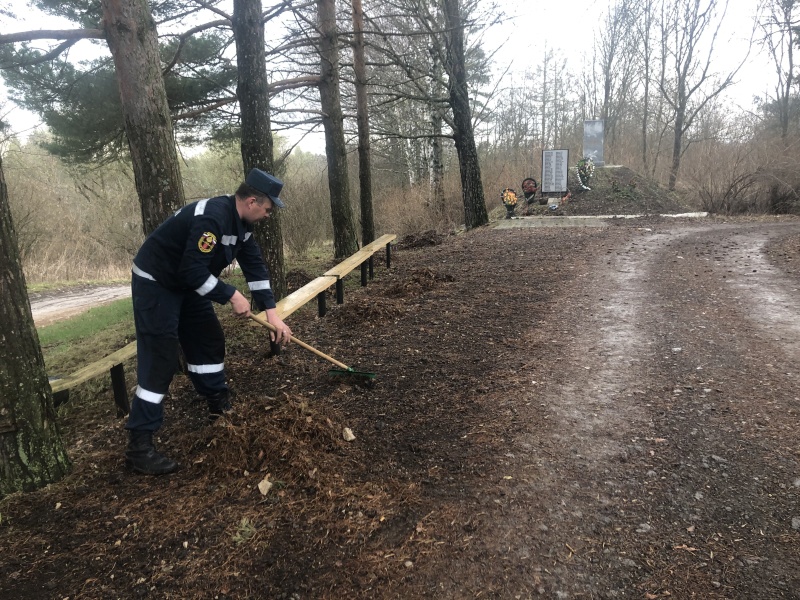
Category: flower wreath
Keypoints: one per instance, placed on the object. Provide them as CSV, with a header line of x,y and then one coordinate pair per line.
x,y
529,185
529,189
585,171
509,197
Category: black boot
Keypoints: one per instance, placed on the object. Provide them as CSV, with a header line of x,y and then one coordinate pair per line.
x,y
142,457
219,404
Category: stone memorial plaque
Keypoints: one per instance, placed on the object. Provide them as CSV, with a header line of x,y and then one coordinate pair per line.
x,y
593,136
555,167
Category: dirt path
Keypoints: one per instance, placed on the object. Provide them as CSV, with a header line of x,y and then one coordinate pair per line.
x,y
662,458
560,413
53,306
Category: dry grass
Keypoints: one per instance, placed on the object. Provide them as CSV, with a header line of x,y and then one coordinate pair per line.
x,y
51,268
84,225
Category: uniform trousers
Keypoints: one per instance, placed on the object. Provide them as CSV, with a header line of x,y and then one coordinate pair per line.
x,y
166,320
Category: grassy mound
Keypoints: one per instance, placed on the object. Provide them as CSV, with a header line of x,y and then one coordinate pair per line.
x,y
615,190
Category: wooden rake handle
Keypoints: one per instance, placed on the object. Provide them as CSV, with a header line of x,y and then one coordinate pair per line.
x,y
271,327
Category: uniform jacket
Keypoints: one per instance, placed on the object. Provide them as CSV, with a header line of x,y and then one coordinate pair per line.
x,y
190,249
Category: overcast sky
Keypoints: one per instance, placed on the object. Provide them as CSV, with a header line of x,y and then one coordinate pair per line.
x,y
568,26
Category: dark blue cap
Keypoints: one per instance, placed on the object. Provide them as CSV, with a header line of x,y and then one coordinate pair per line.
x,y
266,184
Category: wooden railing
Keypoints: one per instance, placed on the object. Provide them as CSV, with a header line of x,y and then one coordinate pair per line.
x,y
113,363
335,276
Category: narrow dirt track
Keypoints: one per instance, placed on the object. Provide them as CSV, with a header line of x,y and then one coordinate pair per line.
x,y
53,306
662,455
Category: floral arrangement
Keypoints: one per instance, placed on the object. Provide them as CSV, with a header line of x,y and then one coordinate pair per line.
x,y
585,171
509,197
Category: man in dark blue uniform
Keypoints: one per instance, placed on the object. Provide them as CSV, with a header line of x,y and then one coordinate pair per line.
x,y
175,280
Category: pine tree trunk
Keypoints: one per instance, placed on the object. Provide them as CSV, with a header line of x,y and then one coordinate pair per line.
x,y
31,452
475,213
345,239
256,138
133,41
362,110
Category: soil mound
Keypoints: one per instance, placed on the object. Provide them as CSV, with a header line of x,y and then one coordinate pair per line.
x,y
615,190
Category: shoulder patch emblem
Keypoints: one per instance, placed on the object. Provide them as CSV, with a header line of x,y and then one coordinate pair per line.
x,y
207,242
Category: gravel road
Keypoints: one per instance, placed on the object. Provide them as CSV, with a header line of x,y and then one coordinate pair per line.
x,y
57,305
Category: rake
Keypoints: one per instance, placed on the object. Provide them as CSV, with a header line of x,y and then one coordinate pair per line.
x,y
342,371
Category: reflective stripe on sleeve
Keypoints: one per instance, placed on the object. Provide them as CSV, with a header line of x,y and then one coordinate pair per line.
x,y
247,235
204,369
149,396
209,285
200,208
259,285
141,273
229,240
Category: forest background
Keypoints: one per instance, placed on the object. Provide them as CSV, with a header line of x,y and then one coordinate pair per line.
x,y
658,74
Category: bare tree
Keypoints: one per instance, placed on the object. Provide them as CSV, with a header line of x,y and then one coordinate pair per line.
x,y
547,59
779,27
345,239
614,49
427,78
362,116
552,81
436,149
689,33
643,27
517,116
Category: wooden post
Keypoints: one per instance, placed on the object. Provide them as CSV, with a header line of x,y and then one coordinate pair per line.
x,y
120,390
339,291
322,309
363,274
389,255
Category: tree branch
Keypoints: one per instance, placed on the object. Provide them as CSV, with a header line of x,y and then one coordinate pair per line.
x,y
53,34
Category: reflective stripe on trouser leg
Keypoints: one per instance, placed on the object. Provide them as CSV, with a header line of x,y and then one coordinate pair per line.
x,y
155,314
203,344
144,415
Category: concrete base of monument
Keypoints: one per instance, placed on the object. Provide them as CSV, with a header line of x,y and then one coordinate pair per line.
x,y
583,220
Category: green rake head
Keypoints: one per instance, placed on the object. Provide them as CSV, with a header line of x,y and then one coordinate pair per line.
x,y
358,376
